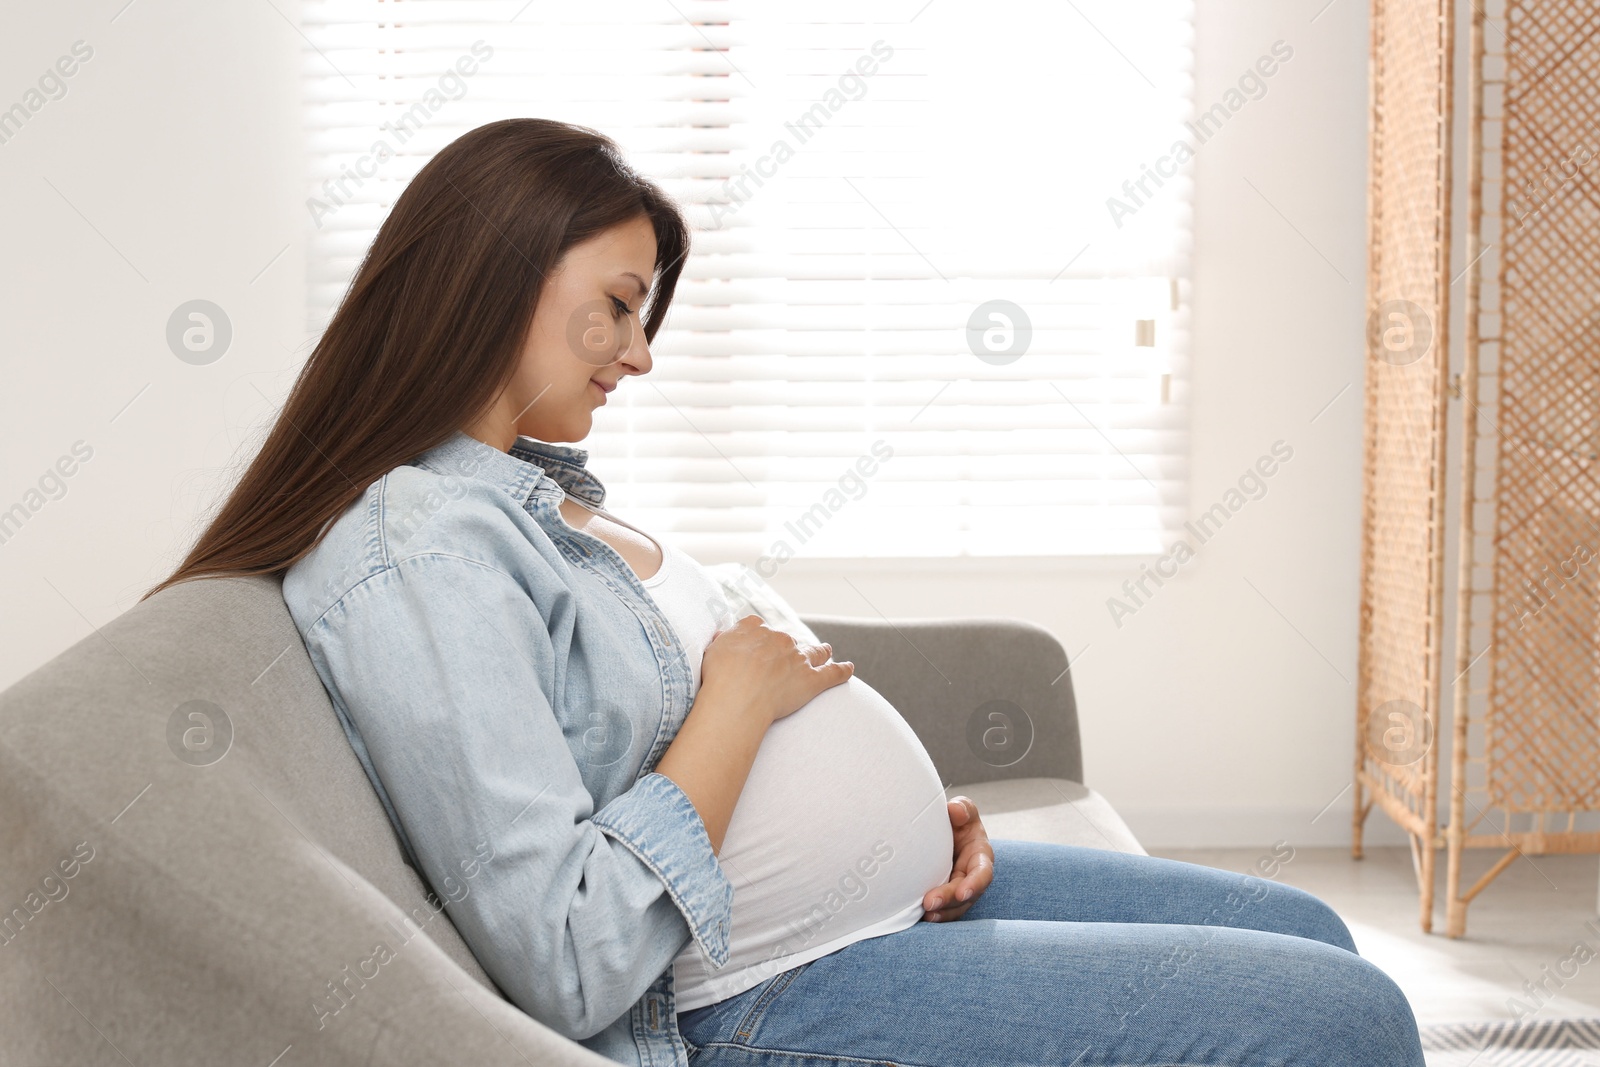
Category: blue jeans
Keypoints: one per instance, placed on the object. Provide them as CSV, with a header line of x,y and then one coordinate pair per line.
x,y
1081,957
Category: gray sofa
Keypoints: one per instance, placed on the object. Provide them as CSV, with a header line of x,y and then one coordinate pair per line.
x,y
199,899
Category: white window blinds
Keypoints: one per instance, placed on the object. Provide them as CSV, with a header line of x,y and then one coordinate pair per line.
x,y
914,322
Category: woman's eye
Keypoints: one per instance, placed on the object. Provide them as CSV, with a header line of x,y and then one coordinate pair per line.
x,y
621,306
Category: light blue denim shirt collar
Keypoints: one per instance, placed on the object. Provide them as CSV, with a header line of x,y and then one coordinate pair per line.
x,y
521,471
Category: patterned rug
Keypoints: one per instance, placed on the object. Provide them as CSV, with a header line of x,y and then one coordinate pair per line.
x,y
1545,1043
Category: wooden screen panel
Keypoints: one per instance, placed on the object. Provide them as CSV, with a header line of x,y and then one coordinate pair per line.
x,y
1542,739
1397,698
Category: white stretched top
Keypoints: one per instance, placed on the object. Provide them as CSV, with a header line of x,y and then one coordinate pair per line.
x,y
841,827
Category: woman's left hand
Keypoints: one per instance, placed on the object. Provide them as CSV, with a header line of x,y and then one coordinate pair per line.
x,y
974,865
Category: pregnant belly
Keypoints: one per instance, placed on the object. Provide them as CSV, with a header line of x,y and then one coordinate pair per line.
x,y
841,828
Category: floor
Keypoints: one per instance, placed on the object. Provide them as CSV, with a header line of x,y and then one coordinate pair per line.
x,y
1536,923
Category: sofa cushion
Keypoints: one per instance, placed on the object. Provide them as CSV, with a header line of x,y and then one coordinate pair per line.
x,y
1049,809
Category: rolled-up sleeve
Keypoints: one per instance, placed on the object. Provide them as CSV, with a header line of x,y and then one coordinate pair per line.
x,y
439,667
679,851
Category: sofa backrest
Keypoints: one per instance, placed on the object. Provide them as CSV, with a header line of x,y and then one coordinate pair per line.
x,y
989,698
187,896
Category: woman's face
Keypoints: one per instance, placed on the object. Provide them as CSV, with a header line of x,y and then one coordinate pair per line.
x,y
585,337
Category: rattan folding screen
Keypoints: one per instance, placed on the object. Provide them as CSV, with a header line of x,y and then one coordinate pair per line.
x,y
1524,686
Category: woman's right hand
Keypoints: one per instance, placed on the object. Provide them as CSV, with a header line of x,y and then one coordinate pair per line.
x,y
767,670
750,676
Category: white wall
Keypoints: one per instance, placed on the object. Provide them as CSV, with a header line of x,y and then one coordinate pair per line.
x,y
1220,714
169,171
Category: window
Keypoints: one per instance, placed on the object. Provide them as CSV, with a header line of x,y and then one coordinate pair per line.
x,y
937,299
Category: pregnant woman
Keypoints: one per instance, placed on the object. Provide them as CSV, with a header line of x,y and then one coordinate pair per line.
x,y
667,833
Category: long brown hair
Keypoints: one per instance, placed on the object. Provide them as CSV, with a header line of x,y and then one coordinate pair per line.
x,y
431,327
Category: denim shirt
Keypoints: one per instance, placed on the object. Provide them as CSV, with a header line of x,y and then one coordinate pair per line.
x,y
509,686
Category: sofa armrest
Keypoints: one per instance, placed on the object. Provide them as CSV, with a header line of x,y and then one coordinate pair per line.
x,y
990,698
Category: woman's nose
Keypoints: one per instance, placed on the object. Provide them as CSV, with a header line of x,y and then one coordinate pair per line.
x,y
636,358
